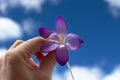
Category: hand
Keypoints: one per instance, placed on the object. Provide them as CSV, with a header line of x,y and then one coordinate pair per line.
x,y
17,64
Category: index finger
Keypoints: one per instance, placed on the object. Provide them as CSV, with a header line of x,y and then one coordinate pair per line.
x,y
31,46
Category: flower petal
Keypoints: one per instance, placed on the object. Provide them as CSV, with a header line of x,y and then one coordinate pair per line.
x,y
73,41
48,47
73,45
61,26
54,36
62,55
45,32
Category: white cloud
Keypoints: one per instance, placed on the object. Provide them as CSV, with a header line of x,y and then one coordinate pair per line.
x,y
55,2
82,73
57,77
9,29
115,75
86,73
27,4
114,7
2,51
29,26
32,4
3,7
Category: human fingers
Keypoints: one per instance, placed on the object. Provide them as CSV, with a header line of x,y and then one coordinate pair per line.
x,y
31,46
16,43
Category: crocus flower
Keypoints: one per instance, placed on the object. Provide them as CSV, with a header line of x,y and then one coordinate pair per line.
x,y
62,41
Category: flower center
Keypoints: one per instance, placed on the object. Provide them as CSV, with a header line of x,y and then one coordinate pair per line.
x,y
62,39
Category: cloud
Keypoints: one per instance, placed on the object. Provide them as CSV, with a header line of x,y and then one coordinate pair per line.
x,y
55,2
57,77
114,7
115,75
26,4
32,4
29,26
86,73
9,29
3,7
2,51
82,73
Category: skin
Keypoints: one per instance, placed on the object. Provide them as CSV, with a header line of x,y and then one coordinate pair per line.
x,y
17,64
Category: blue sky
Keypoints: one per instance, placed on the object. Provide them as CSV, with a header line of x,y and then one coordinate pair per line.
x,y
96,21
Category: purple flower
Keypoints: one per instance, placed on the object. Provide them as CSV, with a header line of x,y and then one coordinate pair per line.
x,y
63,41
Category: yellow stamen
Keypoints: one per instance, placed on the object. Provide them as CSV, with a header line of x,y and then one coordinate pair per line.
x,y
62,38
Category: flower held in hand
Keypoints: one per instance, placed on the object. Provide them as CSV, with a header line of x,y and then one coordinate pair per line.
x,y
62,41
